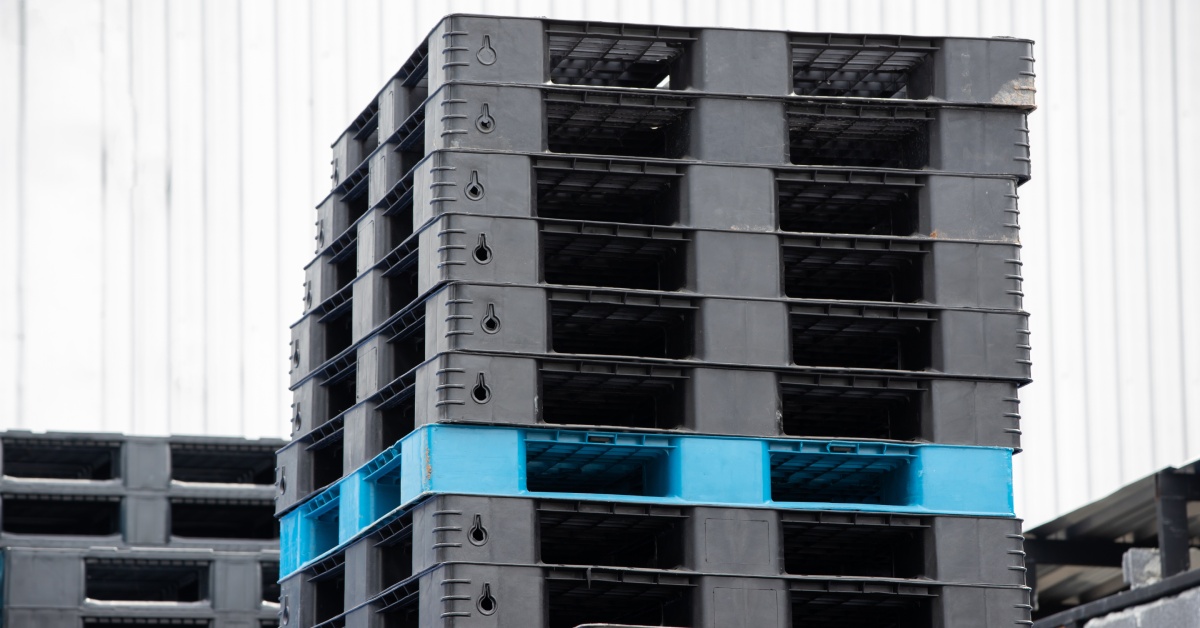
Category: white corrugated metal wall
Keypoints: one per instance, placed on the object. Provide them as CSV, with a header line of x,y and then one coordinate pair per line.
x,y
159,162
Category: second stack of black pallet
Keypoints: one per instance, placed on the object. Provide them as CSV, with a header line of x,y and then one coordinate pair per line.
x,y
709,231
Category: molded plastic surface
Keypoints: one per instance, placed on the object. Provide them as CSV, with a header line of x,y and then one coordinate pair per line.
x,y
647,468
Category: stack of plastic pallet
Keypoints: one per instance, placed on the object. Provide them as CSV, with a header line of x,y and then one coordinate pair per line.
x,y
104,530
648,326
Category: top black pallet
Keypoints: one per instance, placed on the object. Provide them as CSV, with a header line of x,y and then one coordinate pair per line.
x,y
995,71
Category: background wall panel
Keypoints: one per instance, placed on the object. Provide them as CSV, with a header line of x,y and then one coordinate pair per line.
x,y
159,162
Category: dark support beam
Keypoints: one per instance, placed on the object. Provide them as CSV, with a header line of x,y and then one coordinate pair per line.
x,y
1078,616
1172,492
1031,565
1078,552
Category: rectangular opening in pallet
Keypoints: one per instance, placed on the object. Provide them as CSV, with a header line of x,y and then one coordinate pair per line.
x,y
612,535
62,459
603,257
822,609
62,515
146,580
223,464
223,519
856,66
611,396
340,394
401,289
355,204
850,411
397,421
851,272
620,56
395,553
861,341
338,333
607,192
837,206
602,598
408,346
597,123
654,330
344,268
329,595
872,546
598,465
327,460
269,577
823,135
839,478
144,622
400,226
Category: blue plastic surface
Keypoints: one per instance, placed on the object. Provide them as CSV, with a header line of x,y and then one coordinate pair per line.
x,y
648,468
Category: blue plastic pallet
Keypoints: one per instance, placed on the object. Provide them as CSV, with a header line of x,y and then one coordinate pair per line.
x,y
648,468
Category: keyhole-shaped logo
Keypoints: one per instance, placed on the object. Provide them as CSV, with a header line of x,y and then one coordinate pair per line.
x,y
481,393
482,253
474,189
486,54
486,603
490,322
485,122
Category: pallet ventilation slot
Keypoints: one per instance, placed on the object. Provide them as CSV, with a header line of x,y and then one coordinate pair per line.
x,y
395,553
610,536
850,412
858,136
609,260
327,461
338,333
146,580
61,459
595,467
872,551
602,124
222,464
820,609
840,207
849,273
61,515
223,519
634,398
329,595
839,479
856,68
574,600
861,342
607,194
639,59
653,331
269,576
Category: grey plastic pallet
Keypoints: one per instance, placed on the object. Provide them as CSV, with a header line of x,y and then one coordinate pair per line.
x,y
753,542
138,618
467,247
997,71
665,193
694,126
216,580
455,594
82,489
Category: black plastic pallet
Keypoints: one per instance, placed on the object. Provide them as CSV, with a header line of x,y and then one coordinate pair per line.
x,y
567,597
996,71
